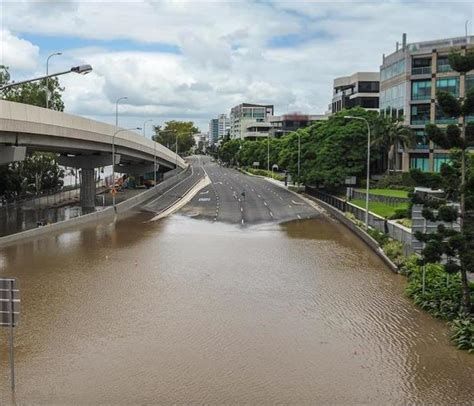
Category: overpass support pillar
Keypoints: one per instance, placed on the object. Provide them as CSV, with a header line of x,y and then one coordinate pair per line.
x,y
87,188
87,163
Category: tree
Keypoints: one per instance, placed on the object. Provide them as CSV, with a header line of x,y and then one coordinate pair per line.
x,y
182,131
388,134
456,247
39,171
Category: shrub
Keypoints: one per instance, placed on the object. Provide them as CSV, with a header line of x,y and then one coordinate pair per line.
x,y
463,333
394,250
400,214
442,296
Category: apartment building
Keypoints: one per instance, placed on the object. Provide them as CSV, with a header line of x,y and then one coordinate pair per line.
x,y
280,125
409,79
250,121
218,128
358,90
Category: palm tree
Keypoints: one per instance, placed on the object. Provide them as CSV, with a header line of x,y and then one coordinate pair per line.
x,y
389,134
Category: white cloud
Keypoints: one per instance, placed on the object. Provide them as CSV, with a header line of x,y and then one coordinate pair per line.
x,y
225,57
17,53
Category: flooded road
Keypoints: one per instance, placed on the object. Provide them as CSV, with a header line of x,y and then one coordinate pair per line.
x,y
188,311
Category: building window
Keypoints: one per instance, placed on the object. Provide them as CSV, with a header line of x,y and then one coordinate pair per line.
x,y
443,64
420,114
421,139
421,66
392,70
442,118
450,85
439,160
421,90
469,82
368,87
418,161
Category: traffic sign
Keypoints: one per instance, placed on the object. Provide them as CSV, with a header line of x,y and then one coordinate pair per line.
x,y
9,302
10,315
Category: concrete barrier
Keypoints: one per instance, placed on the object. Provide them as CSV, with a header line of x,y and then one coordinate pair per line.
x,y
108,213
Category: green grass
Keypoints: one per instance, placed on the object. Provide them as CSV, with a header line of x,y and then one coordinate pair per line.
x,y
381,209
386,192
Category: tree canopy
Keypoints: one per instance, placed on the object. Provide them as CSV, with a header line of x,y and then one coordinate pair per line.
x,y
176,130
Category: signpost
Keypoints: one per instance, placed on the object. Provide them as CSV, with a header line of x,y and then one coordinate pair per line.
x,y
10,315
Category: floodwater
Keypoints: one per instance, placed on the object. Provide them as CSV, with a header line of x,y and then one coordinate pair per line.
x,y
190,312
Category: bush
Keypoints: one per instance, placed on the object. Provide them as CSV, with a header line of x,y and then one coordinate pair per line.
x,y
442,297
463,333
378,236
394,250
400,214
264,172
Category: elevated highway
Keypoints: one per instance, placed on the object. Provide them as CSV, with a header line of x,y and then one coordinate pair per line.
x,y
80,142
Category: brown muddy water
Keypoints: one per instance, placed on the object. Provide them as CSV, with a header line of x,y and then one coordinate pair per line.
x,y
189,312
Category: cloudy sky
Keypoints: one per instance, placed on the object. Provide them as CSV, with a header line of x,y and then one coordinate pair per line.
x,y
194,60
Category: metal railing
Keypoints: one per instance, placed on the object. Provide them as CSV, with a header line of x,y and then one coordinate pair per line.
x,y
393,230
421,70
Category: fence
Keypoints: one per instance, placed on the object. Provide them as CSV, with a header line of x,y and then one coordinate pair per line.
x,y
394,230
390,200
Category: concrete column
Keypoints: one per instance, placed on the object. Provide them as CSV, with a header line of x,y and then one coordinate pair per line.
x,y
88,188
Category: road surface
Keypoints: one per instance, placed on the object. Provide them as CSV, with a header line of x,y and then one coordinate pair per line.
x,y
237,198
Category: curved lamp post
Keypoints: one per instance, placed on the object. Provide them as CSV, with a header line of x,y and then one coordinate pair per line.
x,y
81,70
368,167
47,77
113,160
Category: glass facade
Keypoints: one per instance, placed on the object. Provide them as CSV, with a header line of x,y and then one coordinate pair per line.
x,y
442,118
439,160
450,85
421,89
420,114
443,64
421,66
392,101
392,70
420,161
421,139
469,82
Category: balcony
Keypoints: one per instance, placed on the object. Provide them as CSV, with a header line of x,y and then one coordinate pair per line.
x,y
444,68
421,70
421,96
446,120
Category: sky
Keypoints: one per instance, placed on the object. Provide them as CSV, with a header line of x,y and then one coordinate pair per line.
x,y
192,60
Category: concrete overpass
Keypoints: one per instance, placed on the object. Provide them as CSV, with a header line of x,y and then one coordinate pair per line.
x,y
81,143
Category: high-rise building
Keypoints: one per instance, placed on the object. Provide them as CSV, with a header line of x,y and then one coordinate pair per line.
x,y
213,130
358,90
409,79
223,125
218,128
250,121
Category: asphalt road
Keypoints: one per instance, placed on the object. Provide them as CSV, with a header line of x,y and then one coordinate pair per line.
x,y
234,197
178,187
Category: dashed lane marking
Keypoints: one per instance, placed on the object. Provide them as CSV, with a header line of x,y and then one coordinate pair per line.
x,y
299,217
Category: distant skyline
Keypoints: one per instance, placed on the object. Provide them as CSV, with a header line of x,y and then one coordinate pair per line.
x,y
194,60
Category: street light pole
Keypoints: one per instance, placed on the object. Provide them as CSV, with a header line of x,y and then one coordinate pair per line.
x,y
47,76
368,168
116,108
144,124
81,70
268,152
113,161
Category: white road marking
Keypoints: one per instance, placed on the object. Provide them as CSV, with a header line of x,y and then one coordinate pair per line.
x,y
242,221
242,209
289,206
297,203
299,217
259,196
271,214
204,199
204,193
265,203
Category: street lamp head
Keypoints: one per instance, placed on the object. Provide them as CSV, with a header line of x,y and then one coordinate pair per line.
x,y
348,117
82,69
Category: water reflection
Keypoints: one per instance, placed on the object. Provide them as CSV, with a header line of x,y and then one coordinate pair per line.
x,y
187,311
